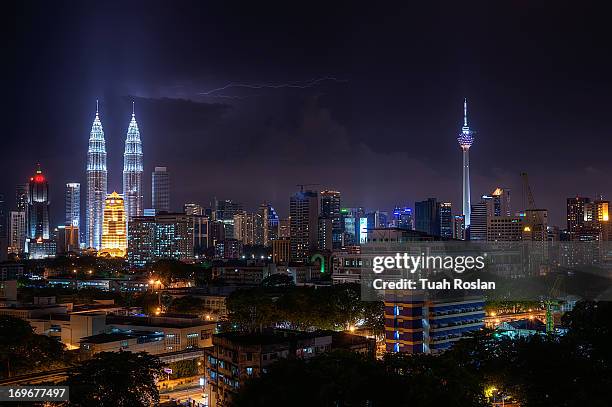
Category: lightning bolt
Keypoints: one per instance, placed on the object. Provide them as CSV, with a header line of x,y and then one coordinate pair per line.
x,y
297,85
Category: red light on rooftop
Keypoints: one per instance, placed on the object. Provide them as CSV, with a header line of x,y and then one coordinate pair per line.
x,y
39,178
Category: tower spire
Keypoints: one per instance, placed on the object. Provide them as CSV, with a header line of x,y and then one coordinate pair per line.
x,y
96,107
132,108
465,112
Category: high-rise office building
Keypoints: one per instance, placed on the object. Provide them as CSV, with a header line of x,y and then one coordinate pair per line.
x,y
403,218
535,225
96,183
67,238
575,214
478,228
17,232
466,139
248,228
114,236
459,227
73,204
3,217
160,180
330,208
270,223
377,219
132,171
426,217
325,233
22,197
193,209
38,206
505,228
163,236
445,219
500,202
284,228
224,212
304,218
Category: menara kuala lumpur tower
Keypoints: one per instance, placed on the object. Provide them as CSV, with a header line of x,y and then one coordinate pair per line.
x,y
466,139
96,183
132,171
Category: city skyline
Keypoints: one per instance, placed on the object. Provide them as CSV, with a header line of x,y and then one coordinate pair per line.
x,y
381,108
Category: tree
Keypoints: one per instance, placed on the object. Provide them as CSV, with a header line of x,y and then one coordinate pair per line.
x,y
23,351
277,280
343,378
188,305
115,379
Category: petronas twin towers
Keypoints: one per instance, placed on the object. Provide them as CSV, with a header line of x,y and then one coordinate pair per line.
x,y
97,177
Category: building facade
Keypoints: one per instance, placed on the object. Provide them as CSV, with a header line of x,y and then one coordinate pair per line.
x,y
331,204
73,204
114,236
445,219
17,232
160,187
417,325
96,184
426,217
163,236
132,171
304,219
38,207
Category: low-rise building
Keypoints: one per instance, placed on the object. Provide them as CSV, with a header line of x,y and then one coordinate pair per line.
x,y
419,325
236,357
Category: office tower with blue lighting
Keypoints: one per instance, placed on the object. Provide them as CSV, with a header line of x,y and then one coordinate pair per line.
x,y
466,139
96,183
132,171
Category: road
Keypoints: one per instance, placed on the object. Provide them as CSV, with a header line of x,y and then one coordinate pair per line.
x,y
195,393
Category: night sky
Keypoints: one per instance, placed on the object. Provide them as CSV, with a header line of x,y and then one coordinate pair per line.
x,y
244,101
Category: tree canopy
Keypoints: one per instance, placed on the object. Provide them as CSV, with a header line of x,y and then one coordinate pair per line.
x,y
331,307
539,370
23,351
115,379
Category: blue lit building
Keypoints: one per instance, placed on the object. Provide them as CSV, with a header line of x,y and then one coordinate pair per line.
x,y
96,184
402,218
418,325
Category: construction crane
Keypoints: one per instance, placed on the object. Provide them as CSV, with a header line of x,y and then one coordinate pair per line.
x,y
552,303
305,185
527,194
537,220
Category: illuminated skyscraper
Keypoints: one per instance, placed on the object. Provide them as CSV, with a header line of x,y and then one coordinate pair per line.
x,y
304,218
38,206
160,188
17,232
132,171
114,236
73,204
330,208
96,183
466,139
270,223
445,219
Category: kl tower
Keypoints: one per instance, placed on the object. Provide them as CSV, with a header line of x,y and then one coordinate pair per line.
x,y
466,139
